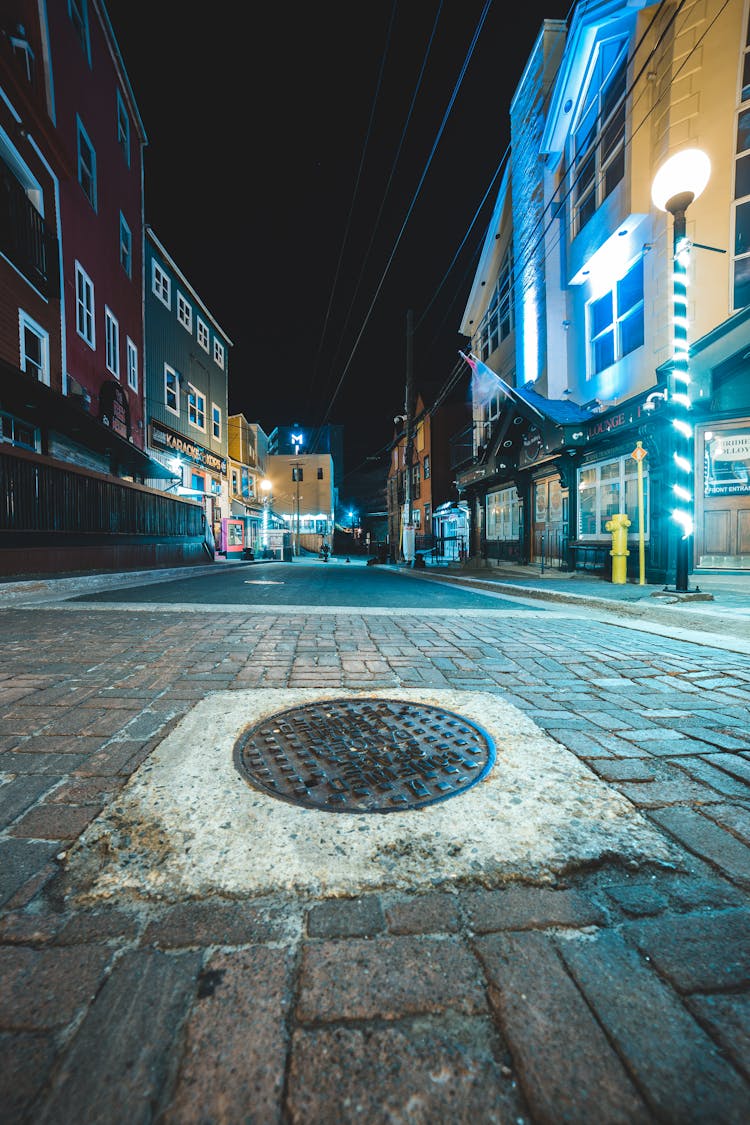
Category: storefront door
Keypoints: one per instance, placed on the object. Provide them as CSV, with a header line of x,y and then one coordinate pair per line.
x,y
549,529
722,508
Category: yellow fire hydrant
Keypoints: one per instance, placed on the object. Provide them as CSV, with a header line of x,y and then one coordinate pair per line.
x,y
619,525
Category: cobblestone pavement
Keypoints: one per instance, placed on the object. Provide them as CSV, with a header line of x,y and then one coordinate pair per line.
x,y
613,993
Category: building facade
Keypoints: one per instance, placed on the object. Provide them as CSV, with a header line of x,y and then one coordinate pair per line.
x,y
187,371
570,320
302,495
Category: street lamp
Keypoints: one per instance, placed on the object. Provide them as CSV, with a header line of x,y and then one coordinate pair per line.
x,y
679,181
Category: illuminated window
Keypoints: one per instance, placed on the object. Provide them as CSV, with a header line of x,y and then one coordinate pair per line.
x,y
161,285
34,349
184,312
297,472
216,421
202,333
426,467
85,306
126,247
132,352
123,128
497,322
598,159
196,408
615,321
86,164
112,342
604,490
171,389
503,515
219,353
741,287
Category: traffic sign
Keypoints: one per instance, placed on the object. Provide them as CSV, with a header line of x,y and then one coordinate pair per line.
x,y
638,453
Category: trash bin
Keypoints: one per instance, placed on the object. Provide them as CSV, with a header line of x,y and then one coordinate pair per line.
x,y
287,554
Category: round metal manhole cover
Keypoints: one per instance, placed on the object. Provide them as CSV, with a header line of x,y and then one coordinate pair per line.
x,y
356,756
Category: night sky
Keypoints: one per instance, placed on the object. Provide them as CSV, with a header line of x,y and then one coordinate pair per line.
x,y
316,171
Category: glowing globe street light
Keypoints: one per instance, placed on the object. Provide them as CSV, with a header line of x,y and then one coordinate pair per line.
x,y
265,486
679,181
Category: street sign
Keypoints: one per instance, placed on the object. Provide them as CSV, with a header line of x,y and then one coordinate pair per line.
x,y
638,453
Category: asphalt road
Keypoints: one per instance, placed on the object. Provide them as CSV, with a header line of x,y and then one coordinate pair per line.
x,y
308,583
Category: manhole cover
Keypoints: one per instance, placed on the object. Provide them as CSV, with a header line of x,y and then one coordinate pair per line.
x,y
375,755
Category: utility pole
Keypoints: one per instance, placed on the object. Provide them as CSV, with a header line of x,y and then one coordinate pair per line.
x,y
408,537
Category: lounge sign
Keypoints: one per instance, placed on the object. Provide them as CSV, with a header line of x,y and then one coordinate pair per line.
x,y
161,437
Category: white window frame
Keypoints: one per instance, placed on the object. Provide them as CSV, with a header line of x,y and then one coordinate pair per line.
x,y
196,408
184,312
203,334
10,426
216,421
161,284
218,353
126,246
132,360
620,317
86,165
26,324
171,387
627,475
503,515
85,308
589,149
123,128
111,342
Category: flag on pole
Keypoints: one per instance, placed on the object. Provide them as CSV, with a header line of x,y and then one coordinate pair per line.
x,y
485,382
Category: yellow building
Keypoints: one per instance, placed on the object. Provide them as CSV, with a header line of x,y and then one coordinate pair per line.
x,y
302,493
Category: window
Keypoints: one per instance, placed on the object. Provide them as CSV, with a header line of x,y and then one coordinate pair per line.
x,y
427,519
320,472
202,331
85,307
607,488
86,164
171,389
497,322
219,353
198,482
34,349
126,247
741,263
17,432
79,17
598,158
132,353
416,478
615,321
161,284
216,421
23,53
196,408
112,342
184,312
123,128
504,515
426,467
235,483
297,472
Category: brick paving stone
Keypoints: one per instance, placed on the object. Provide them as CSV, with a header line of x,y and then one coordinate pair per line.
x,y
651,1029
55,765
638,899
55,821
628,769
215,923
20,793
84,790
117,757
95,925
659,795
387,978
45,988
702,769
236,1042
727,1017
424,914
22,927
695,893
62,744
706,839
120,1057
27,1061
567,1068
424,1071
347,917
20,860
697,952
735,764
524,908
734,817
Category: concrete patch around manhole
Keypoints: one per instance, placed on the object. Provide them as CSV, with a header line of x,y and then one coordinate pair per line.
x,y
187,824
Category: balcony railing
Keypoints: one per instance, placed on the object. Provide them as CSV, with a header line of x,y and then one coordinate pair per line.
x,y
24,236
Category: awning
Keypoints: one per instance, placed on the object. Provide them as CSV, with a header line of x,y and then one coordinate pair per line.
x,y
39,405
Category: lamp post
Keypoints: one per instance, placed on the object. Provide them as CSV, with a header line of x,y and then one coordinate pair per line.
x,y
678,182
296,473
